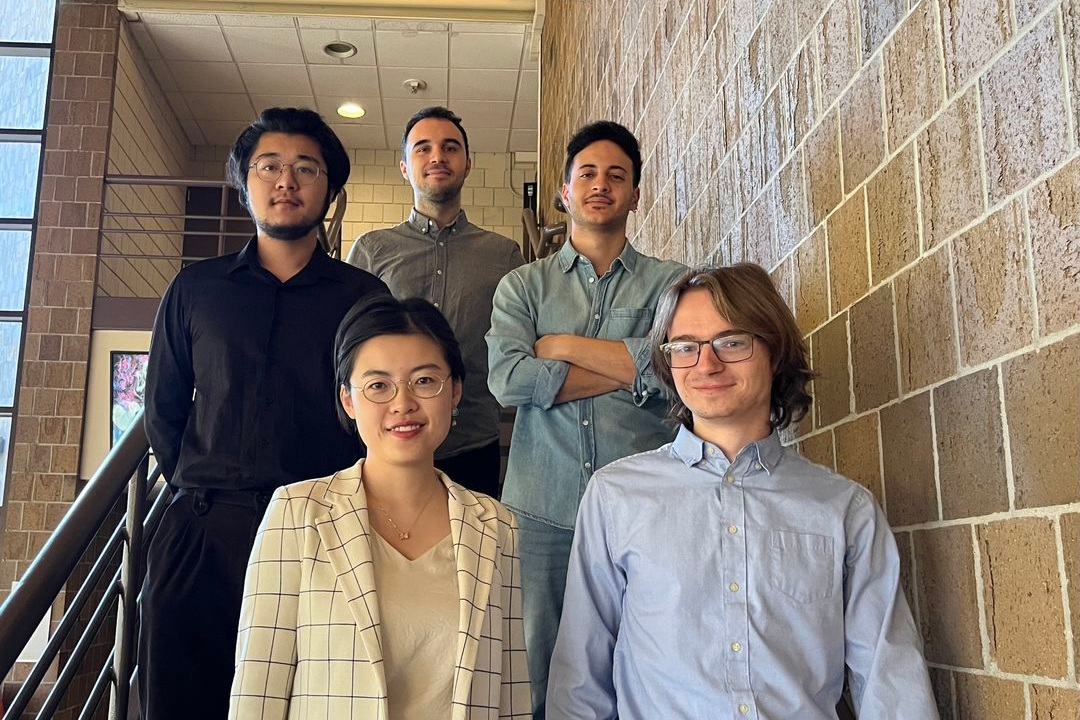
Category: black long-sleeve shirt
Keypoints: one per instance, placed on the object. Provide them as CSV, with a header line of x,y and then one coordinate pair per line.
x,y
257,355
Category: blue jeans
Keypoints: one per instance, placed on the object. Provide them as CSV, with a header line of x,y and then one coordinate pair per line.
x,y
545,555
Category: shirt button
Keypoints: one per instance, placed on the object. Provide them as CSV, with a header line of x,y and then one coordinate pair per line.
x,y
592,280
435,304
585,423
441,243
438,272
424,231
736,646
732,529
597,316
588,465
760,466
729,478
744,708
733,587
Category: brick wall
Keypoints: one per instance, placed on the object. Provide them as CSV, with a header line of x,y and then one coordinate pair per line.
x,y
146,140
909,173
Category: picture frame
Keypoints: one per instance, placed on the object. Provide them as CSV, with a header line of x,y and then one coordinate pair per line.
x,y
127,390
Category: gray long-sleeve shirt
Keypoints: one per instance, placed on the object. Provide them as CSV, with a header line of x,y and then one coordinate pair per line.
x,y
456,268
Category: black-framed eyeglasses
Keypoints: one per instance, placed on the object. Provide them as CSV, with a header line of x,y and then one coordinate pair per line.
x,y
728,348
269,169
383,390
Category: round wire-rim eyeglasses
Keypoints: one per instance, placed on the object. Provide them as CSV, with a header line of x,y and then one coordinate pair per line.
x,y
383,390
269,170
730,347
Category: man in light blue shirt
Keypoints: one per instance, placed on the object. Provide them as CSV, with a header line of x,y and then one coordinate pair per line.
x,y
568,347
723,575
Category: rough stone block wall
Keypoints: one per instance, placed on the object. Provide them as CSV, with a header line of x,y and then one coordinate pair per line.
x,y
909,172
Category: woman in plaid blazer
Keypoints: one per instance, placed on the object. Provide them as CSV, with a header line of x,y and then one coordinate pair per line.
x,y
441,637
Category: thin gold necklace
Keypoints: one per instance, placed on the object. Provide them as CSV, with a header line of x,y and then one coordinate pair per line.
x,y
404,534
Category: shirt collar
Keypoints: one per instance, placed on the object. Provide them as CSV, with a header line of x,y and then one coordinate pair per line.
x,y
568,256
320,265
690,449
423,224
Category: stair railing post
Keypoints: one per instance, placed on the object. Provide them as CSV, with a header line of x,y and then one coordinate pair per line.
x,y
130,582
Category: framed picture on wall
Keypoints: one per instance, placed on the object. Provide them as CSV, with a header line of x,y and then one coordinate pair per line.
x,y
127,390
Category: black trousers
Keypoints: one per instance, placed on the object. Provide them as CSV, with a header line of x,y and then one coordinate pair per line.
x,y
191,603
475,469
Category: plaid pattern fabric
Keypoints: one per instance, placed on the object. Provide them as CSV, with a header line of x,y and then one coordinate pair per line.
x,y
309,645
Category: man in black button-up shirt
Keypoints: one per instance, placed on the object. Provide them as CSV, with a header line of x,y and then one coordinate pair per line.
x,y
240,400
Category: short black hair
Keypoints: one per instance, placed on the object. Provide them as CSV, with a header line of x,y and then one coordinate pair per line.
x,y
291,121
438,112
603,130
379,314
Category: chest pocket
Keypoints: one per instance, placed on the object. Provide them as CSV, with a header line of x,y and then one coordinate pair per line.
x,y
627,323
801,565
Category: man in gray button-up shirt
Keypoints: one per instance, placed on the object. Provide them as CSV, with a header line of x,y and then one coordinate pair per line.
x,y
567,346
437,254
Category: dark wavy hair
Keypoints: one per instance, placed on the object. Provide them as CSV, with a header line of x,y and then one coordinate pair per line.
x,y
291,121
745,296
603,130
440,113
377,315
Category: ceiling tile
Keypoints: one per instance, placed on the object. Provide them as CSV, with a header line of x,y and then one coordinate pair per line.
x,y
484,114
180,42
391,81
194,132
179,105
206,76
255,20
264,45
265,79
220,106
485,50
482,84
164,75
334,23
430,26
485,27
159,18
328,106
313,41
396,112
524,140
221,133
411,49
144,41
525,115
529,86
367,137
338,80
488,139
261,102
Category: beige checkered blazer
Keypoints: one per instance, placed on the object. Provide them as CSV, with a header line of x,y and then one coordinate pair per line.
x,y
310,643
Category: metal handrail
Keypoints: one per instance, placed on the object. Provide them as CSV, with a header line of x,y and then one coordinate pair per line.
x,y
124,469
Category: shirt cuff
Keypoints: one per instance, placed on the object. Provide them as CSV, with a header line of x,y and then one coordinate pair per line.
x,y
549,381
644,386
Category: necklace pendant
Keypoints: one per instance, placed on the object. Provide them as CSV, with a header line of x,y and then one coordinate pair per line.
x,y
403,536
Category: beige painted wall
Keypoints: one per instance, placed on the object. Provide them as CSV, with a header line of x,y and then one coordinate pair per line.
x,y
96,421
910,173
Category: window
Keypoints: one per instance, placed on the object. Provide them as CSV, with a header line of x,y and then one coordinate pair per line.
x,y
26,38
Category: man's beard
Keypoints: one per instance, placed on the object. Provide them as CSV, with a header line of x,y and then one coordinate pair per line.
x,y
295,231
441,197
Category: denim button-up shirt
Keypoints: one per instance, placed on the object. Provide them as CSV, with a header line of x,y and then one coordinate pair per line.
x,y
556,448
700,588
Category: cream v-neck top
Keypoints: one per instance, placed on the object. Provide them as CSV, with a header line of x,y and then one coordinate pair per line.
x,y
418,606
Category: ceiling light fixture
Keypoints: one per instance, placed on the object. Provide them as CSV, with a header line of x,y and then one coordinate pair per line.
x,y
339,49
415,85
351,110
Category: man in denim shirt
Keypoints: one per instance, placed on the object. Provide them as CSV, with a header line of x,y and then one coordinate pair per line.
x,y
568,347
737,579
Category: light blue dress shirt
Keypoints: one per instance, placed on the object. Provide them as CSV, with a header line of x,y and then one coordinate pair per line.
x,y
556,448
700,588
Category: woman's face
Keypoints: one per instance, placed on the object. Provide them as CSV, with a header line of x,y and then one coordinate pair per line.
x,y
405,429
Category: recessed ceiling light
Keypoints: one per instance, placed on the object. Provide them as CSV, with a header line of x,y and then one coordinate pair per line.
x,y
351,110
339,49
